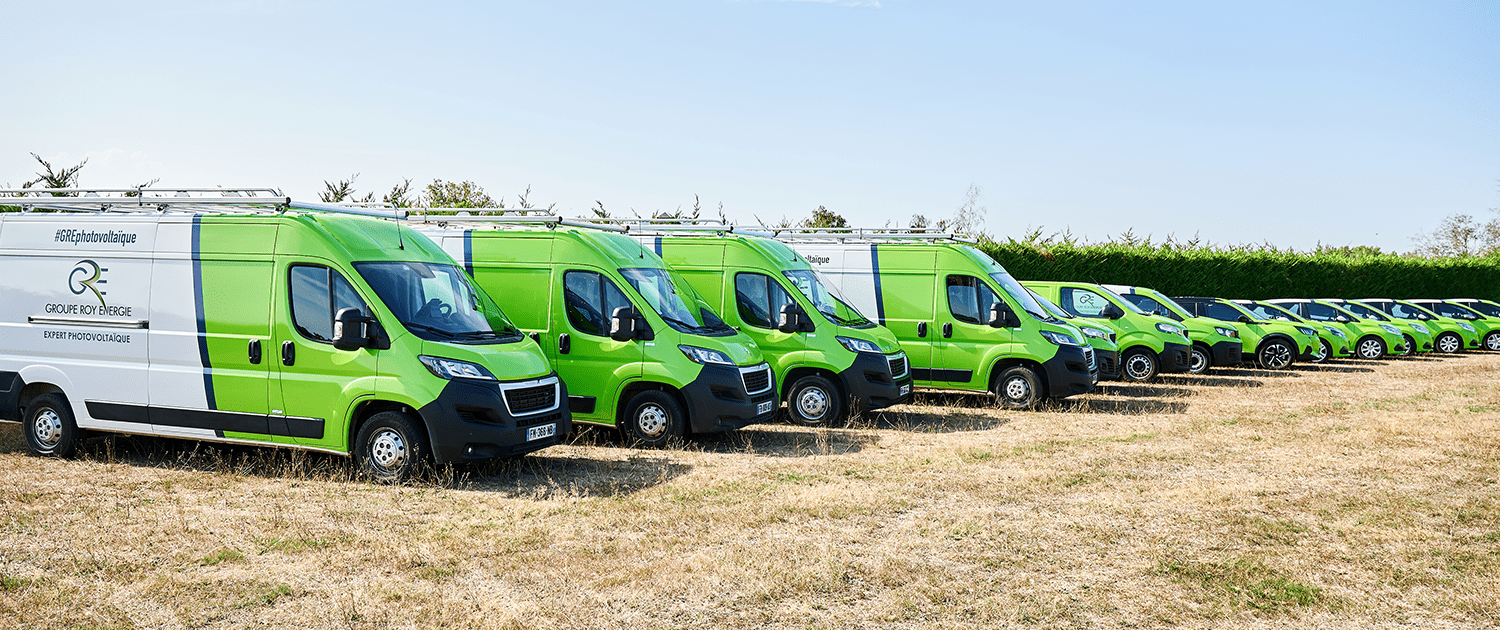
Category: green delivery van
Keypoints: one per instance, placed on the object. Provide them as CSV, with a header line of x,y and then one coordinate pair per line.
x,y
1333,340
828,356
1490,310
1271,344
963,321
245,317
1416,336
1486,327
1149,344
1215,343
1371,339
1448,335
1101,338
640,349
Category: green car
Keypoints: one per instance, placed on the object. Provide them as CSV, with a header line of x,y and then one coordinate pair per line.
x,y
1215,343
1334,339
1101,338
1449,335
1275,345
1149,344
963,321
1416,336
1486,308
1371,339
1486,327
641,351
824,350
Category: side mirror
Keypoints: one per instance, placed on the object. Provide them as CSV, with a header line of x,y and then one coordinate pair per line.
x,y
349,329
1111,311
626,324
1341,319
1245,319
792,319
1002,317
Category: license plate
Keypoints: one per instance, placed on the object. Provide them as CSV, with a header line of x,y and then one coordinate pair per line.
x,y
764,407
905,389
543,431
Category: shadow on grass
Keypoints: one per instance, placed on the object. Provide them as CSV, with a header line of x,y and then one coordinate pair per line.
x,y
1259,373
776,439
1211,380
1324,367
1136,407
1131,390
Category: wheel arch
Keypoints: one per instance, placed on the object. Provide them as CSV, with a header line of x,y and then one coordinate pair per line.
x,y
1008,362
364,409
630,390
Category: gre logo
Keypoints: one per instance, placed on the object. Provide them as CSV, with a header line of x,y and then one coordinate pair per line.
x,y
86,275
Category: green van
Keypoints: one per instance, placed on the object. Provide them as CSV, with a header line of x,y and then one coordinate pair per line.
x,y
1101,338
1215,343
640,349
1334,339
1486,327
1371,339
1486,308
1449,335
1149,344
823,350
963,321
1416,336
1276,345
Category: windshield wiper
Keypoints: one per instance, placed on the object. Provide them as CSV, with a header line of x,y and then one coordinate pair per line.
x,y
427,328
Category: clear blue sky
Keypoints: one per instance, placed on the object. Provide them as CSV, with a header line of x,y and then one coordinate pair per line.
x,y
1290,122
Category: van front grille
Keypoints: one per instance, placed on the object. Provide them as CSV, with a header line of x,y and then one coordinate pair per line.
x,y
756,380
898,365
524,400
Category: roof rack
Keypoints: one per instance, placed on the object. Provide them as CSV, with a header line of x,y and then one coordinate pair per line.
x,y
868,234
466,216
689,227
141,200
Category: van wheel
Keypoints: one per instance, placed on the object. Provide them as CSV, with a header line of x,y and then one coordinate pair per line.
x,y
652,417
1276,354
1371,348
1449,343
50,429
814,401
1325,352
390,447
1408,346
1139,364
1200,360
1492,340
1018,388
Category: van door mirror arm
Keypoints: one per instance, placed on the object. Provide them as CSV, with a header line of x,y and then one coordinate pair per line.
x,y
351,329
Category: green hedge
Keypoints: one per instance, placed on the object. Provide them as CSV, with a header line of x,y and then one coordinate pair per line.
x,y
1251,273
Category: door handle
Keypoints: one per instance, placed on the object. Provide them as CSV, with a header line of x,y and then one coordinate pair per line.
x,y
921,329
288,353
255,351
564,343
947,329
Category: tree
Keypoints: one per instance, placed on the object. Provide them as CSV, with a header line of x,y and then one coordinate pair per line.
x,y
399,195
465,194
56,178
342,191
825,218
1460,235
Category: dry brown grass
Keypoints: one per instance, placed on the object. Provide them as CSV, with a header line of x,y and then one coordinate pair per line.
x,y
1363,494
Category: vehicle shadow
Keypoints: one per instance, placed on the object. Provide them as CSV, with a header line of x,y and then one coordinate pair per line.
x,y
916,419
1211,380
1139,391
1331,368
782,441
1259,373
1132,407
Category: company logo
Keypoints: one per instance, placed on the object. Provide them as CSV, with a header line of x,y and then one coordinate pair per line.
x,y
87,275
817,260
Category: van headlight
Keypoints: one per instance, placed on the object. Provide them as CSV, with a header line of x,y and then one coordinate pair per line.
x,y
859,345
1390,329
705,356
1170,329
1094,332
1307,331
1466,326
1419,328
1061,339
1227,332
1336,332
453,368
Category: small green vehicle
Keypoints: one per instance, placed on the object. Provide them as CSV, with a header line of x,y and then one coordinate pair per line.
x,y
1371,339
1276,345
641,351
1486,327
1449,335
1100,337
1415,335
1149,344
1334,339
1487,308
829,356
1215,343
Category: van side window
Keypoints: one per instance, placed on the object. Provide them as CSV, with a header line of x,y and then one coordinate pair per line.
x,y
590,299
969,299
318,293
1222,312
1320,312
1082,302
759,299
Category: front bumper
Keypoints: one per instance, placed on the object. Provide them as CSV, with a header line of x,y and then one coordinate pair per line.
x,y
870,383
1174,357
1070,372
717,400
1109,364
1227,353
469,421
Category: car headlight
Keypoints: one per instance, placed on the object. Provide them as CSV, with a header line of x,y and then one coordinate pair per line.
x,y
453,368
1169,329
1061,339
1466,326
1227,332
1307,331
1390,329
1419,328
1336,332
1093,332
704,355
859,345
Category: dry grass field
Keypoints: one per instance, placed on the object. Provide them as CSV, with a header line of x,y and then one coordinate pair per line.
x,y
1362,494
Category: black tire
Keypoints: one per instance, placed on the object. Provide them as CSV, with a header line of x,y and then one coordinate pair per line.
x,y
652,418
1370,348
1448,343
1325,351
1408,347
814,401
49,427
1018,387
1492,341
1200,361
1138,365
391,447
1276,354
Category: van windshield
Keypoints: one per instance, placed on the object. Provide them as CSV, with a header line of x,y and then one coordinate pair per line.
x,y
1054,309
1021,296
1365,311
819,291
676,302
437,302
